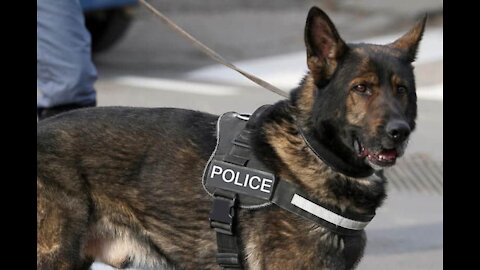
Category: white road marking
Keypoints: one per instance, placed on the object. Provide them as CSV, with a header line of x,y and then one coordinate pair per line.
x,y
178,86
285,71
433,92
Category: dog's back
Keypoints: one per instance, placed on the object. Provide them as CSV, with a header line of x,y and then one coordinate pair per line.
x,y
106,184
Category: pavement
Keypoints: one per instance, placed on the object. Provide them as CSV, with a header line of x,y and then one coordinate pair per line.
x,y
152,67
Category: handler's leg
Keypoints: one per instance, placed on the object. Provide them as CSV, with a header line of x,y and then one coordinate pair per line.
x,y
65,71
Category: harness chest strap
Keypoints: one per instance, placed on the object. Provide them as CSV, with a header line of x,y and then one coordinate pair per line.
x,y
288,196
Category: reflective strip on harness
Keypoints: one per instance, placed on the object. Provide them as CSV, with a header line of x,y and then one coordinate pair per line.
x,y
327,215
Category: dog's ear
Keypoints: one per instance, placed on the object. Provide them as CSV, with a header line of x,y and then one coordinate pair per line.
x,y
409,42
324,44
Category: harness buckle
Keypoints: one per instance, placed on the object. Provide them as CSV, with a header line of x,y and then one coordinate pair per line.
x,y
229,260
223,211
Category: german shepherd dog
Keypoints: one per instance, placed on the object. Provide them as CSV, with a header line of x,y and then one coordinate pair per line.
x,y
123,185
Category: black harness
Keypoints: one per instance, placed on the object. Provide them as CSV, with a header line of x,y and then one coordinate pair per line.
x,y
234,177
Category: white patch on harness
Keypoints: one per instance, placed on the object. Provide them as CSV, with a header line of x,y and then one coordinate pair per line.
x,y
327,215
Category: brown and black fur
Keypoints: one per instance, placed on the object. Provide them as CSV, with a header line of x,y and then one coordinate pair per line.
x,y
123,185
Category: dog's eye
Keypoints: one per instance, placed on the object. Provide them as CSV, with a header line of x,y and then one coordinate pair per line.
x,y
361,88
401,89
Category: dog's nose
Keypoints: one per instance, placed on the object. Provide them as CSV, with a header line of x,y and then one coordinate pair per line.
x,y
398,130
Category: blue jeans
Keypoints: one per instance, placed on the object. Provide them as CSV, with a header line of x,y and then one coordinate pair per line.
x,y
65,71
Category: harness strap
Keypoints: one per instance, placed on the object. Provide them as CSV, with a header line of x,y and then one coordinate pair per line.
x,y
222,219
289,196
241,150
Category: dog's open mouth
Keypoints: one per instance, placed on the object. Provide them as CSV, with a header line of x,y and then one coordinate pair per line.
x,y
382,157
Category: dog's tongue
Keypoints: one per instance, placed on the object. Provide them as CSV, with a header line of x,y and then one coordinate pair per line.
x,y
390,154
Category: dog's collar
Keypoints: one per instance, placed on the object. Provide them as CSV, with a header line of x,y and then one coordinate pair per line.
x,y
334,161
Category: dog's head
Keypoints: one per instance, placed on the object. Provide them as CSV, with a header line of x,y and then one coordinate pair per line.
x,y
362,97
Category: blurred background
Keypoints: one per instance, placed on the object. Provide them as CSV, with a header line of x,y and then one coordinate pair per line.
x,y
141,62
